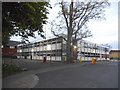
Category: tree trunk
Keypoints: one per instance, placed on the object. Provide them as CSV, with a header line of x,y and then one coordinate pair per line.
x,y
69,57
69,37
75,54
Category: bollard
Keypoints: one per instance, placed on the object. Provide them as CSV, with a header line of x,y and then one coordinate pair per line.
x,y
44,59
93,61
80,59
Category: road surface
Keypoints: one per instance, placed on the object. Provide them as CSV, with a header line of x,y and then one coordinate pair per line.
x,y
101,75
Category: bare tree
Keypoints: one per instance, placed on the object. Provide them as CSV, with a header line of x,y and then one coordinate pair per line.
x,y
72,20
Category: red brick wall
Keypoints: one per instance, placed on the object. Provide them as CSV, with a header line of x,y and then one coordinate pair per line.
x,y
6,51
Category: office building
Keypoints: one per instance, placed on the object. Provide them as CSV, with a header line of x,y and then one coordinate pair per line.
x,y
54,49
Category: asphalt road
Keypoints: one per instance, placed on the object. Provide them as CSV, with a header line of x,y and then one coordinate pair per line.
x,y
101,75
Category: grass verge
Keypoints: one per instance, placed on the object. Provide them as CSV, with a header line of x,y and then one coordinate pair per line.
x,y
9,69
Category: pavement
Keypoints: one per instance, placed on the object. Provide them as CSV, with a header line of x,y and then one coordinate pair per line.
x,y
29,79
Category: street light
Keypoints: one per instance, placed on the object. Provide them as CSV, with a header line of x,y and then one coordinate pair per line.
x,y
75,52
75,47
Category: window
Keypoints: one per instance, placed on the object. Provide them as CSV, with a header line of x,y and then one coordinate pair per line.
x,y
12,47
2,46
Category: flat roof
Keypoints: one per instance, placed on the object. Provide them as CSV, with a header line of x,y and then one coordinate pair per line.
x,y
115,51
13,43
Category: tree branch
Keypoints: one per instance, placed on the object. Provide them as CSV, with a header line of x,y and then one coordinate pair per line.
x,y
64,14
58,35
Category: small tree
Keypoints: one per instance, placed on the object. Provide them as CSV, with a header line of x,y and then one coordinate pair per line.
x,y
72,20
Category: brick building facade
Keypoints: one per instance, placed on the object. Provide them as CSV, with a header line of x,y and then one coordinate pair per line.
x,y
114,54
10,50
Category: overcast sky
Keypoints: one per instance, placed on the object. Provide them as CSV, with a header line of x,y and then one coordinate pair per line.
x,y
104,32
